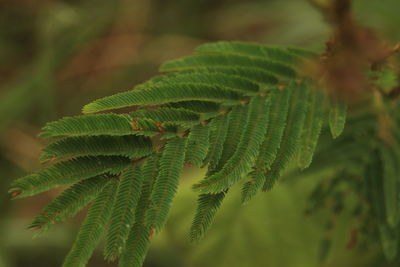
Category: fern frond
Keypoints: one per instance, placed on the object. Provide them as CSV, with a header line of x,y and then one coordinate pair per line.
x,y
269,148
246,153
128,146
280,103
100,124
337,117
197,145
253,74
207,206
167,182
236,117
226,133
252,187
221,60
197,106
163,94
312,128
179,116
123,211
69,203
291,135
249,49
150,171
138,240
230,82
68,172
218,132
241,109
92,227
206,110
136,246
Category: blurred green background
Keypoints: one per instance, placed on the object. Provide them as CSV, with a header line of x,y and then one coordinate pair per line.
x,y
57,55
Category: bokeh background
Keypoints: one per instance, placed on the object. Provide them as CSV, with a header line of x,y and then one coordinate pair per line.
x,y
57,55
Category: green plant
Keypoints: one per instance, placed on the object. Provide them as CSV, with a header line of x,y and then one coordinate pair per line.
x,y
242,110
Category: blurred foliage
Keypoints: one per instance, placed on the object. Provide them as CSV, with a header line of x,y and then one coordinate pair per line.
x,y
253,235
57,55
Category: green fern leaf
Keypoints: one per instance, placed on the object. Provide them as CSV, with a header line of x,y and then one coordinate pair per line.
x,y
229,82
269,149
280,103
337,117
245,155
235,129
138,240
69,203
136,246
150,172
68,172
226,132
291,135
128,146
163,94
241,109
312,128
221,60
197,106
253,74
92,227
197,145
178,116
207,207
100,124
218,132
167,182
252,187
206,110
123,212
